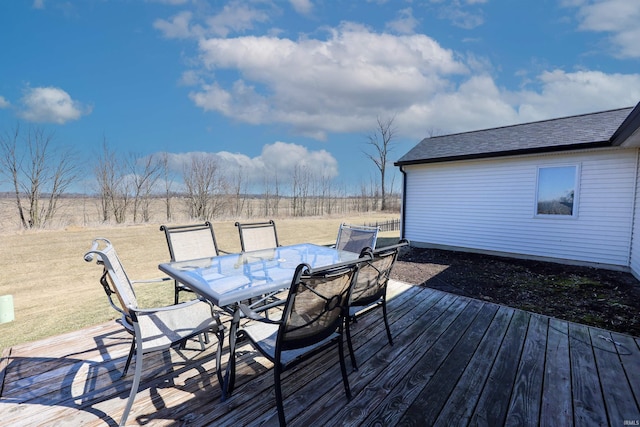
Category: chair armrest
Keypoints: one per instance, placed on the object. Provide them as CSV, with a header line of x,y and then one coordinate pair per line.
x,y
255,316
176,307
155,280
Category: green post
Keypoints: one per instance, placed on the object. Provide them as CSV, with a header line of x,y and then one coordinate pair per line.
x,y
6,309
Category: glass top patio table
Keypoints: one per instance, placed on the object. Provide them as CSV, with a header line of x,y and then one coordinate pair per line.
x,y
228,279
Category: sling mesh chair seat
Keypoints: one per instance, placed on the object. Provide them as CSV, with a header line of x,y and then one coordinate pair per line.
x,y
153,329
370,289
312,321
188,242
354,238
257,235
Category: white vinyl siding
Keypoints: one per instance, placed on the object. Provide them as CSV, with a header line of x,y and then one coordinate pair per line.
x,y
489,205
635,239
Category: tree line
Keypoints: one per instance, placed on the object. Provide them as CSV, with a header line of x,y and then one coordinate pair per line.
x,y
40,173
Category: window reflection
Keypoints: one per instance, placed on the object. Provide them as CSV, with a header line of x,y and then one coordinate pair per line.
x,y
556,190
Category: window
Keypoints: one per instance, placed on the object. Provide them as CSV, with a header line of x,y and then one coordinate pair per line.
x,y
557,191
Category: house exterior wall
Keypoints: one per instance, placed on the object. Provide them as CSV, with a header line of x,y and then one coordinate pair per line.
x,y
635,236
488,205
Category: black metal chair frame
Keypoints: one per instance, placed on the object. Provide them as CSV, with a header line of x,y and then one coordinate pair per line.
x,y
370,290
328,336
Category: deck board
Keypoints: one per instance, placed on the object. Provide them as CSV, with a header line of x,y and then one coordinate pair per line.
x,y
455,361
588,403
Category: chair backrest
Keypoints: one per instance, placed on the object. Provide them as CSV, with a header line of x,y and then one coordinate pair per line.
x,y
373,275
114,278
257,235
191,241
354,238
315,305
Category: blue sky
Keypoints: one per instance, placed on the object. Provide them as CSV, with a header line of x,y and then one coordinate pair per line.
x,y
266,85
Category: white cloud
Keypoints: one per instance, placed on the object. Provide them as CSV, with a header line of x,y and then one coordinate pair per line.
x,y
284,158
479,104
318,86
50,105
579,92
190,78
38,4
405,23
460,15
475,104
341,82
619,18
235,17
278,159
303,7
178,27
4,103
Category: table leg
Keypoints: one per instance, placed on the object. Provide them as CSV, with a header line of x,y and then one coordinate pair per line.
x,y
230,374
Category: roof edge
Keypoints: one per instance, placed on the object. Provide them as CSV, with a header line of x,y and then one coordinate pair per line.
x,y
536,121
475,156
628,127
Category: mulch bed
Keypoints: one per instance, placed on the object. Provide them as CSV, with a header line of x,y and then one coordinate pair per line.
x,y
591,296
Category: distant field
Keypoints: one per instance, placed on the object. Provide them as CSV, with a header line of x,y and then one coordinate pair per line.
x,y
55,290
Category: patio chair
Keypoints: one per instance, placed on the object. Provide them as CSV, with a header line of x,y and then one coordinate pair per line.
x,y
312,321
354,238
370,290
187,242
257,235
153,329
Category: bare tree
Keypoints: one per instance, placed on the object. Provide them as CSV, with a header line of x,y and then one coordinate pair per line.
x,y
11,167
38,171
104,172
205,187
239,188
145,172
271,193
326,197
113,187
300,186
168,181
382,142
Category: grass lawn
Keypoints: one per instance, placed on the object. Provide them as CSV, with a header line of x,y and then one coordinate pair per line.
x,y
55,291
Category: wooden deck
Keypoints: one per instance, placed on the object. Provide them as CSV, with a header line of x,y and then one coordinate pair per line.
x,y
456,361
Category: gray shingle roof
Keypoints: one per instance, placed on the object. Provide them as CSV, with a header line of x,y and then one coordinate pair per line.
x,y
587,130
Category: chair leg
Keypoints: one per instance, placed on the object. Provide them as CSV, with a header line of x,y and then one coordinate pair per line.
x,y
343,368
202,339
354,364
278,387
134,388
386,321
129,357
219,357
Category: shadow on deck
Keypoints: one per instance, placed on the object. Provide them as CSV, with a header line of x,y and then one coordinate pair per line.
x,y
455,361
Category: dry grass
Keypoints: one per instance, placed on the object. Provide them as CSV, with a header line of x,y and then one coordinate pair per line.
x,y
56,291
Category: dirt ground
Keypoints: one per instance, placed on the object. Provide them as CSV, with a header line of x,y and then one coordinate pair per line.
x,y
596,297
